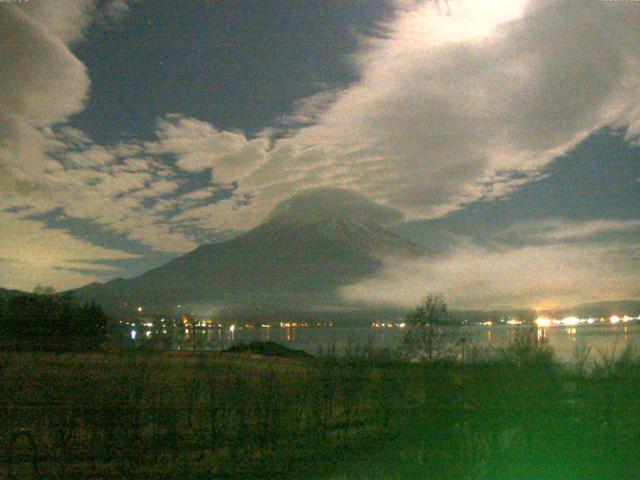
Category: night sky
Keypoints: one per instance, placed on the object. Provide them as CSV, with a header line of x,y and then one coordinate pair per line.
x,y
507,132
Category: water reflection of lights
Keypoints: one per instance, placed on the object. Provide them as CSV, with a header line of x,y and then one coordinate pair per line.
x,y
542,334
133,334
266,334
232,330
290,334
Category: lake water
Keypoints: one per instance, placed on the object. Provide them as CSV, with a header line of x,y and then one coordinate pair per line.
x,y
601,337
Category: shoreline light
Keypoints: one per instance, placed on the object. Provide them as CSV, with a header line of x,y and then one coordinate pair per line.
x,y
543,322
570,321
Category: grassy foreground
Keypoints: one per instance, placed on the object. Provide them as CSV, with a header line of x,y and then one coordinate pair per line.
x,y
517,415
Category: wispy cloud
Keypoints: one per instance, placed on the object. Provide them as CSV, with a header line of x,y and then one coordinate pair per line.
x,y
556,231
27,248
69,20
534,276
197,146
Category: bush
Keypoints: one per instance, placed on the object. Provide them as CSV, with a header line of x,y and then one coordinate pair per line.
x,y
528,349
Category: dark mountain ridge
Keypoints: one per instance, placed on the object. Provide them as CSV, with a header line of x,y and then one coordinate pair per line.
x,y
289,260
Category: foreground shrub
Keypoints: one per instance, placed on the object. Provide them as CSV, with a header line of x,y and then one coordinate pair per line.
x,y
528,349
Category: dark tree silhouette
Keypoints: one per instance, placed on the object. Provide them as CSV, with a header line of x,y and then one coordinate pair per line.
x,y
48,322
42,290
426,336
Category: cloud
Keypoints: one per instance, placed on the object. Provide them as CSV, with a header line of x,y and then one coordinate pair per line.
x,y
307,110
197,195
448,109
448,105
117,200
197,146
65,19
542,264
25,276
29,248
41,83
537,277
117,10
556,231
316,203
46,165
69,20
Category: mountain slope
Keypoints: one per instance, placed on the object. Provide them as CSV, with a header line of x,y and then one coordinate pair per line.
x,y
297,261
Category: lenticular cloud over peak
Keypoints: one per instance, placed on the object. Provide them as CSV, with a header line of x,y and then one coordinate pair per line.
x,y
314,204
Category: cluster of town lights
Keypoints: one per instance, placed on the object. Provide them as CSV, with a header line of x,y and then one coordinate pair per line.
x,y
544,322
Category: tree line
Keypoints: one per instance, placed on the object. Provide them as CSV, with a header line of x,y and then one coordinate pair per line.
x,y
46,321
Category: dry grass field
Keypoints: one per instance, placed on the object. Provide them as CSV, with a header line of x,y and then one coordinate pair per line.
x,y
126,414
